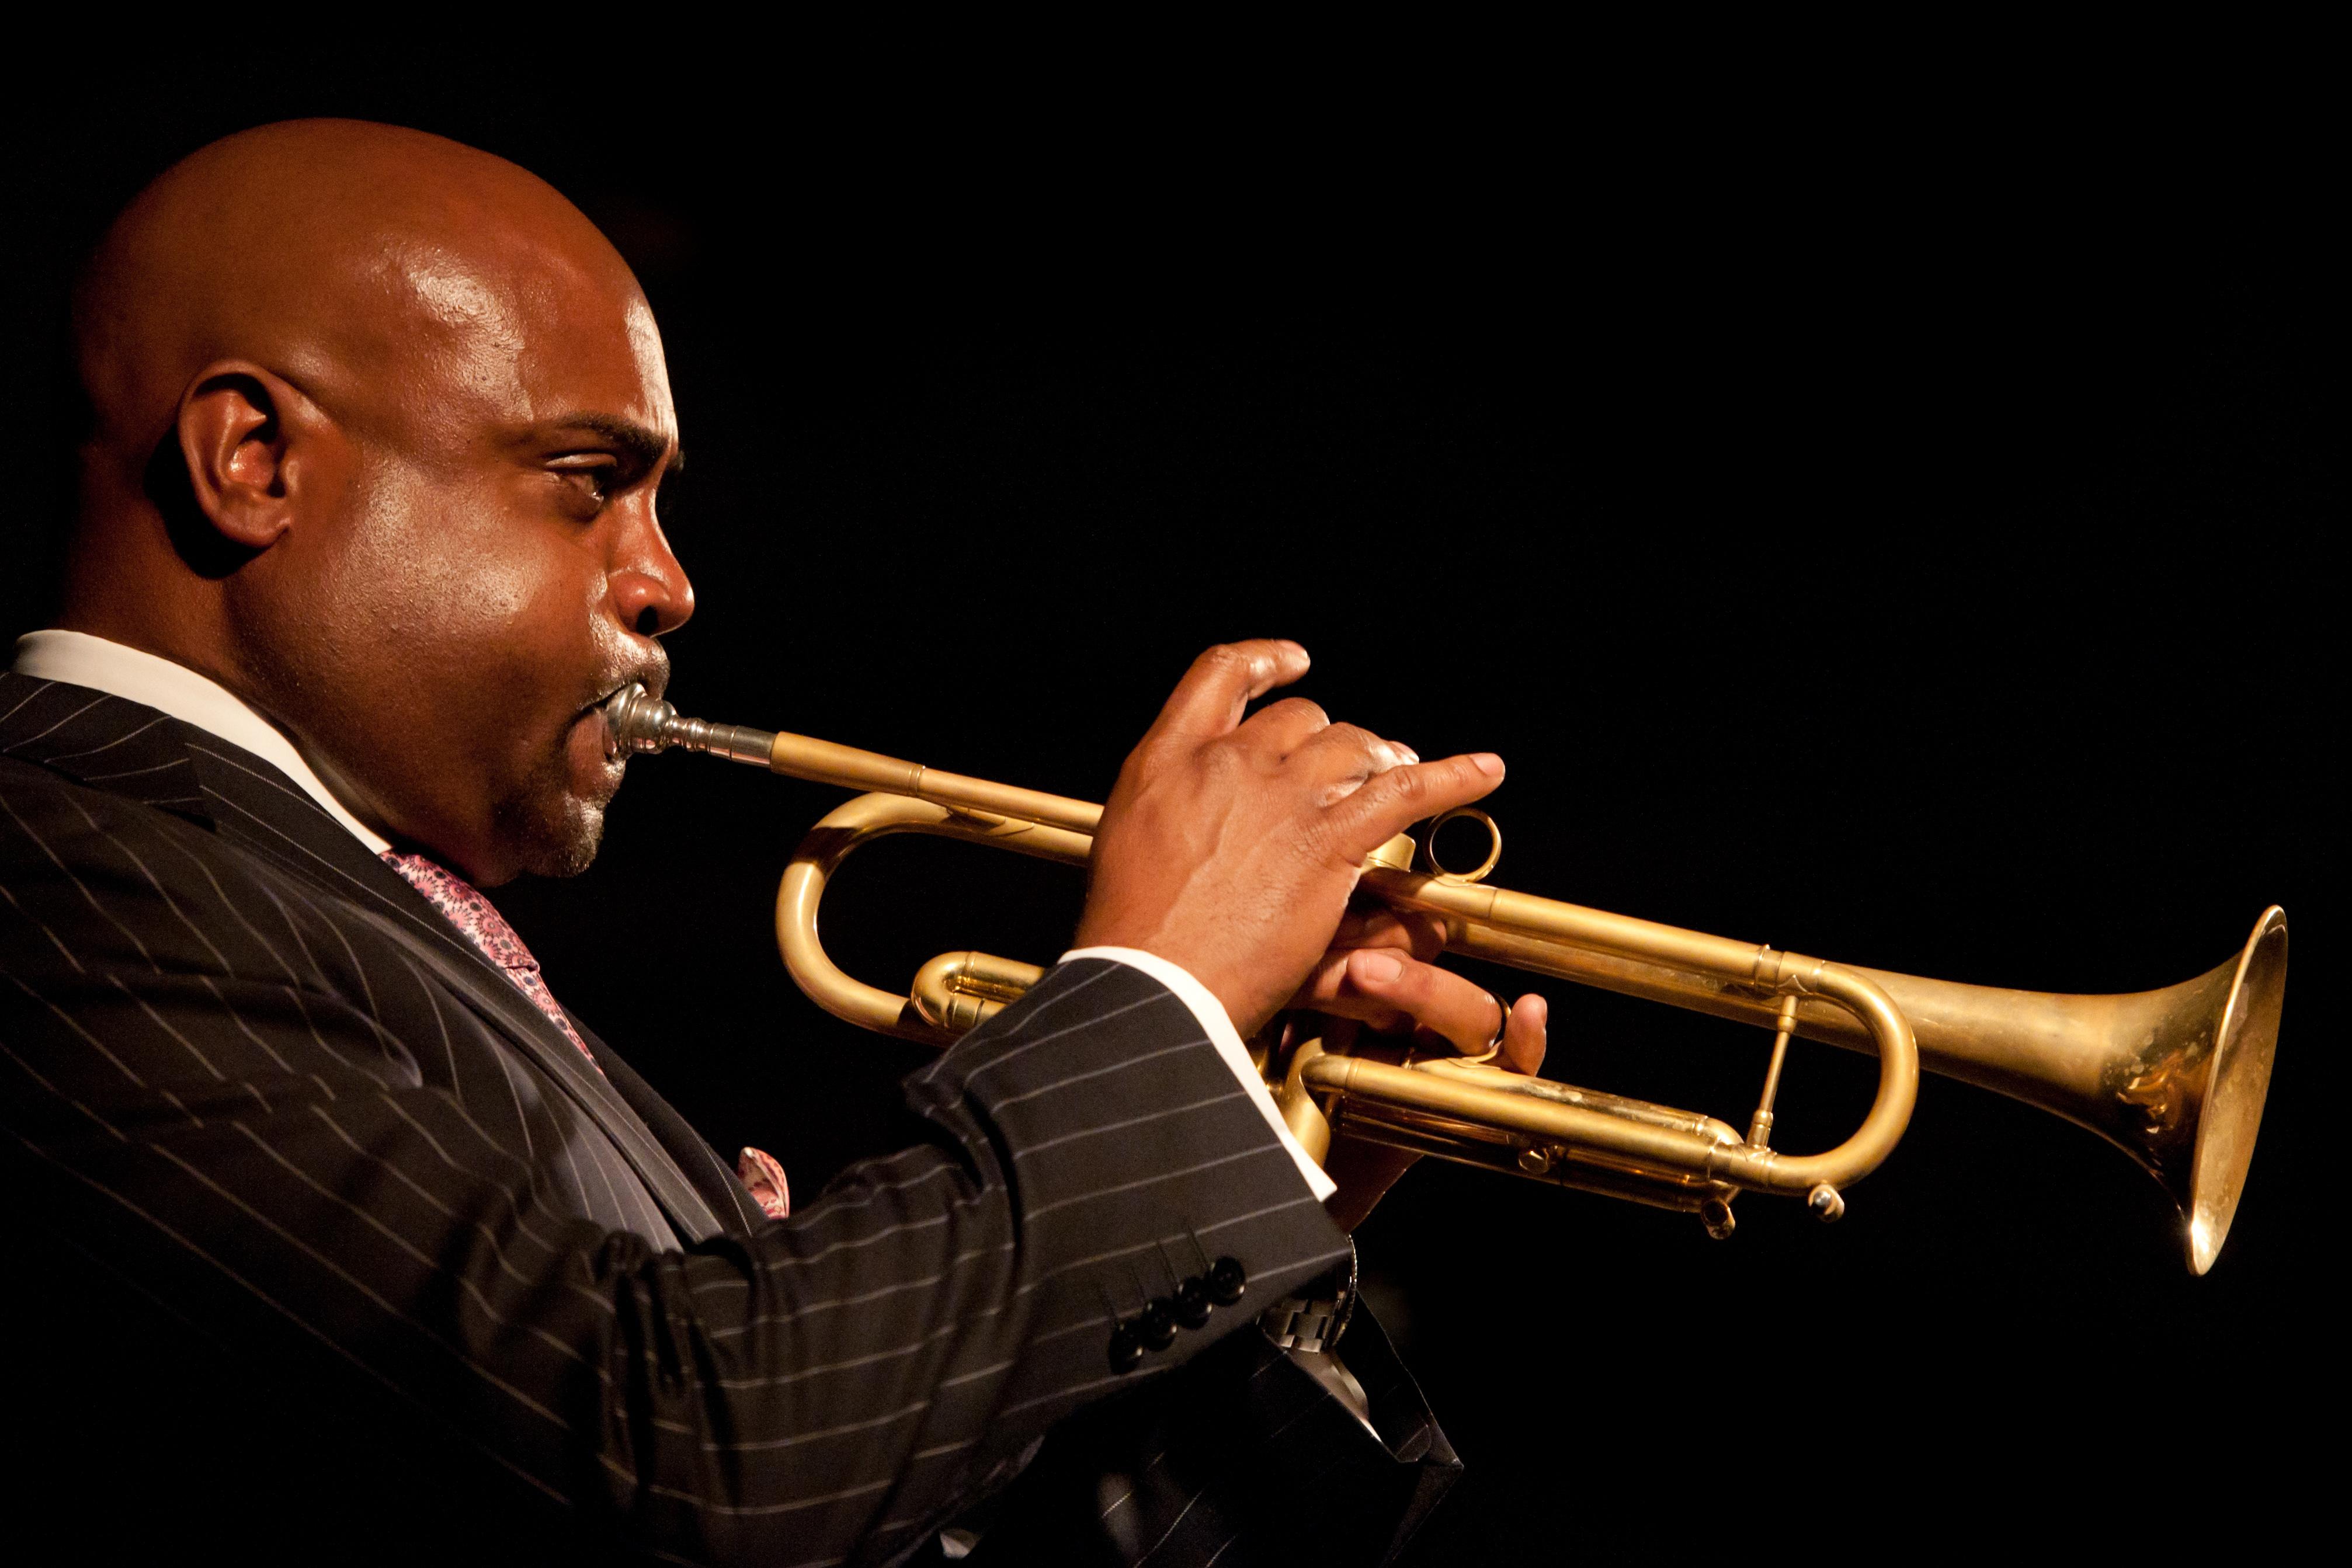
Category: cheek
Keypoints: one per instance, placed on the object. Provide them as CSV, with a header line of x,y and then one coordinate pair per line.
x,y
448,584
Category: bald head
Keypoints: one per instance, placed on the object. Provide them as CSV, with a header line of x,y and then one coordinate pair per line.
x,y
356,259
378,420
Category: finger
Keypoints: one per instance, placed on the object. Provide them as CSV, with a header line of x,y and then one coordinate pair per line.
x,y
1378,925
1280,729
1341,758
1328,991
1527,1034
1385,806
1223,682
1461,1012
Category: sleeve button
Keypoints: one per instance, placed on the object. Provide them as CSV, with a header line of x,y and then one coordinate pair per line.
x,y
1192,1304
1156,1325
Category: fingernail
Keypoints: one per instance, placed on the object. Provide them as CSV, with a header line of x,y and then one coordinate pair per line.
x,y
1489,764
1407,752
1378,967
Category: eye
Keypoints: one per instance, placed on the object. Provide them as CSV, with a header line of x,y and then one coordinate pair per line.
x,y
591,477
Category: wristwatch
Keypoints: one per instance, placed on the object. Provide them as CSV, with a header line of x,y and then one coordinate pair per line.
x,y
1314,1319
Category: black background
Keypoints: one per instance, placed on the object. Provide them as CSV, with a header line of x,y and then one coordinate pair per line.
x,y
1894,534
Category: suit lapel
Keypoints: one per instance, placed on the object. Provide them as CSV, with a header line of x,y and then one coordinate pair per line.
x,y
126,748
703,1165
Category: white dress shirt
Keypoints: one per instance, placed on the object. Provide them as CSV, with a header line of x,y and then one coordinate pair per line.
x,y
75,658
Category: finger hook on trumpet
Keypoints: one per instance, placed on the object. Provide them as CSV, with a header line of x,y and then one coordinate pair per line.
x,y
1477,873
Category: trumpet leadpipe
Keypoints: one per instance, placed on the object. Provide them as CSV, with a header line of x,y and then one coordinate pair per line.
x,y
638,722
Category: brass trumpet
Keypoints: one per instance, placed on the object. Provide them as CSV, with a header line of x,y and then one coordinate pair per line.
x,y
2174,1078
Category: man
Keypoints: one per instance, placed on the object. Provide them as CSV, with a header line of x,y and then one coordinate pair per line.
x,y
367,532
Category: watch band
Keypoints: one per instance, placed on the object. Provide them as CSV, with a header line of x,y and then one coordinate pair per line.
x,y
1315,1318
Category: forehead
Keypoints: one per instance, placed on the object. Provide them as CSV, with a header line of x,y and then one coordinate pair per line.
x,y
522,336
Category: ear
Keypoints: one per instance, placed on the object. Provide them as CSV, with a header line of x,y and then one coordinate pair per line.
x,y
247,437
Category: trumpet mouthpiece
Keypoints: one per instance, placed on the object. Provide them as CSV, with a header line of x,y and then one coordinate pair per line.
x,y
636,721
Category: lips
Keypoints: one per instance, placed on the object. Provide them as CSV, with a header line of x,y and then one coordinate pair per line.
x,y
653,677
646,679
650,678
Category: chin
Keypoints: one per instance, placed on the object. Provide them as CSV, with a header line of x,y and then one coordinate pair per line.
x,y
555,837
572,850
555,816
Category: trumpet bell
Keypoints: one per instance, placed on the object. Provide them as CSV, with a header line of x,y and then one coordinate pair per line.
x,y
2174,1078
2237,1080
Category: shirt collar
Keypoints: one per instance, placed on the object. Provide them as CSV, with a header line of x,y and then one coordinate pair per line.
x,y
77,658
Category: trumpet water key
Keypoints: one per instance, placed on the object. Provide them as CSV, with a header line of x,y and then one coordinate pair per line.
x,y
2174,1078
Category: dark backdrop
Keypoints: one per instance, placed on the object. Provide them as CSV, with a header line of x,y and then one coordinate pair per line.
x,y
1878,536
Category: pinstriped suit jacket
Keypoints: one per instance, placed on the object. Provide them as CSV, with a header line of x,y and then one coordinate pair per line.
x,y
254,1078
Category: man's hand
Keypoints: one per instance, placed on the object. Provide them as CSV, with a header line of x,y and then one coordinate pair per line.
x,y
1231,847
1379,973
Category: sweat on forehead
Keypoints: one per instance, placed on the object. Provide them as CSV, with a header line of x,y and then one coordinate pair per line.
x,y
351,258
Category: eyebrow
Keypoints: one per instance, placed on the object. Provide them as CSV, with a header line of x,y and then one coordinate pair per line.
x,y
636,440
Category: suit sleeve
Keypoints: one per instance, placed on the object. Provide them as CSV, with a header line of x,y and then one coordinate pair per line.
x,y
1210,1015
244,1139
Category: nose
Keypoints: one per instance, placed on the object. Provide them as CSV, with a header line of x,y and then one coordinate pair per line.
x,y
649,589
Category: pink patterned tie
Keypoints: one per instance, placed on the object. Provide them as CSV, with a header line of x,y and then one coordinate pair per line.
x,y
465,907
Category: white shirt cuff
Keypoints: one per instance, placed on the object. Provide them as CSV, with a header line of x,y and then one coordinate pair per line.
x,y
1228,1042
